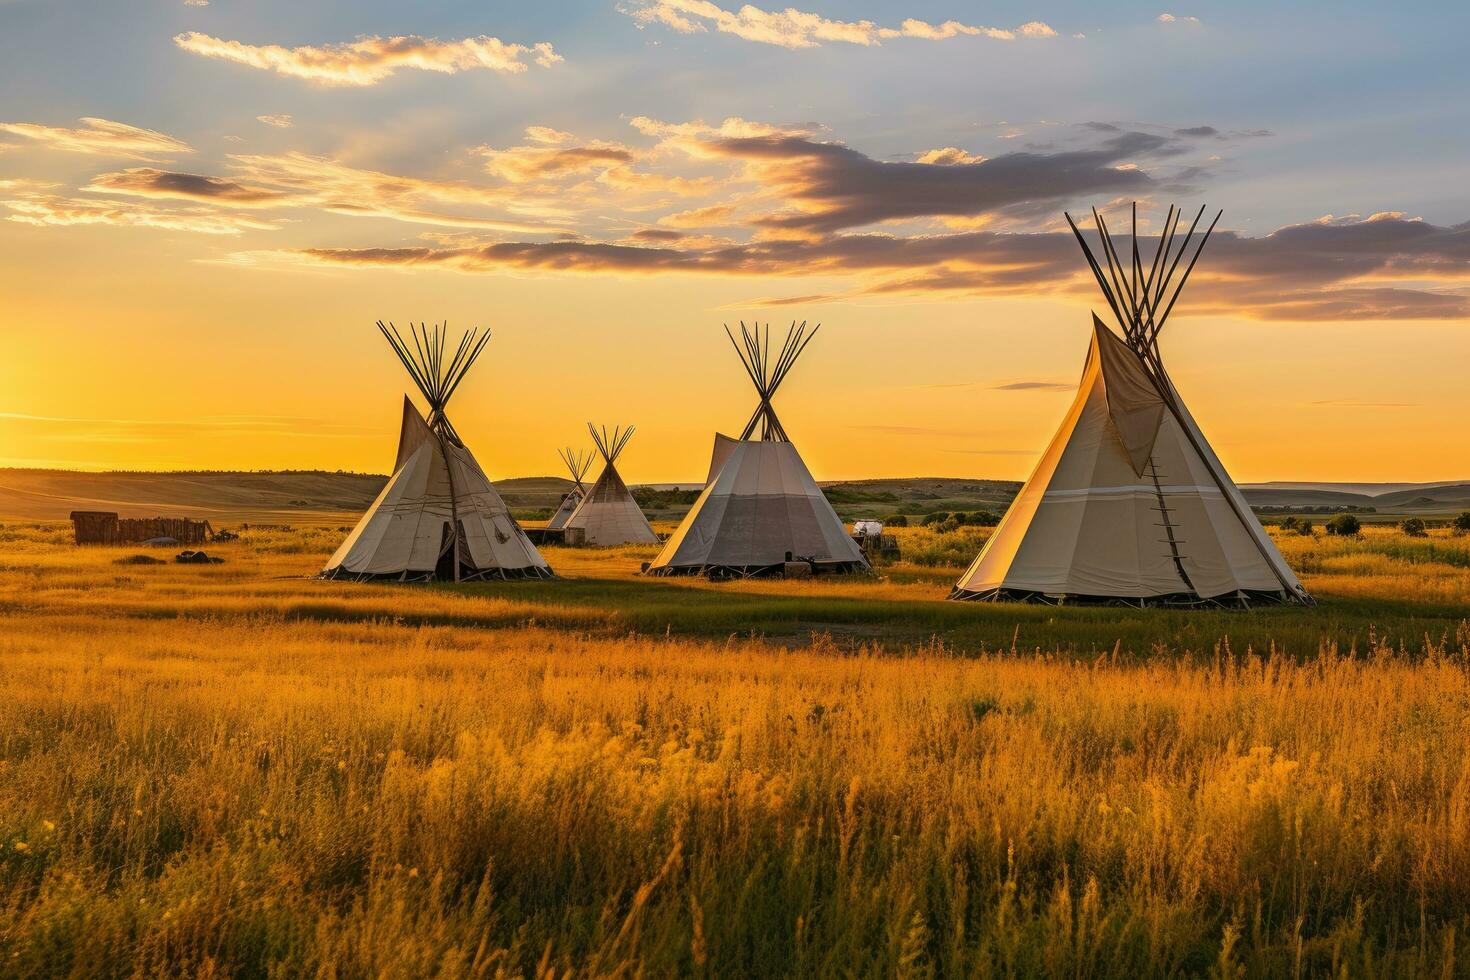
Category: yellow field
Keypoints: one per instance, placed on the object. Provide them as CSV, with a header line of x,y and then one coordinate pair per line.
x,y
236,770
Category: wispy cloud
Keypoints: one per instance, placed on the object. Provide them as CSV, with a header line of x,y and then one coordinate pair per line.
x,y
1168,18
1035,386
369,60
792,28
101,137
44,210
280,121
1312,272
151,182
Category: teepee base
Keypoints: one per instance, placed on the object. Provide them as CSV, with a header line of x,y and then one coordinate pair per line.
x,y
777,570
1180,600
482,575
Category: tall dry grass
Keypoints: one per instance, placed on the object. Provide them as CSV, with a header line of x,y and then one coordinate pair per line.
x,y
267,784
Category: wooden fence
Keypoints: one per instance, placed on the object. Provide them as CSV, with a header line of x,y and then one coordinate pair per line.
x,y
105,527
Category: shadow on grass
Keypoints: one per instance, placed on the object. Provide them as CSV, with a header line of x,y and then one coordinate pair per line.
x,y
653,606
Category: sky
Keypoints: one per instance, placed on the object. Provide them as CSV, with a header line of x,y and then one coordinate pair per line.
x,y
205,206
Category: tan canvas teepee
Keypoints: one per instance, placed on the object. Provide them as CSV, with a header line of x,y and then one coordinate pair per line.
x,y
760,507
438,517
1129,504
608,514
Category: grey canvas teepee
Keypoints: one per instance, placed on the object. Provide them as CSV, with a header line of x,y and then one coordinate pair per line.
x,y
577,463
760,507
608,514
1129,504
438,517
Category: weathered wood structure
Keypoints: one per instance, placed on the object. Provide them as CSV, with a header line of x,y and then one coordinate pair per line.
x,y
105,527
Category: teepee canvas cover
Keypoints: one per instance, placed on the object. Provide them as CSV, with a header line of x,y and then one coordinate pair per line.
x,y
608,514
577,465
760,507
1129,504
436,485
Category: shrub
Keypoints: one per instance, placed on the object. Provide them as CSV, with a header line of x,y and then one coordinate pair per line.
x,y
938,517
896,520
1305,528
1414,528
1344,526
979,518
1290,524
1462,523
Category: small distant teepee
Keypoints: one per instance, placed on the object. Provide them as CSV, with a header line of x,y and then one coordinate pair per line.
x,y
760,507
608,514
577,463
1129,505
438,517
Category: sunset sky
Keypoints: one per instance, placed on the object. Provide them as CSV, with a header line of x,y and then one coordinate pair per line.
x,y
207,205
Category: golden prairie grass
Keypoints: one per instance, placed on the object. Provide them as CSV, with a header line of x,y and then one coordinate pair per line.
x,y
218,771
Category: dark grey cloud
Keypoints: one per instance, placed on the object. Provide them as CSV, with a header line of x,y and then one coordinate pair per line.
x,y
1358,269
1200,131
834,187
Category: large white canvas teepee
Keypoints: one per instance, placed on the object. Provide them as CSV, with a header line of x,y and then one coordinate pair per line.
x,y
1129,504
438,517
608,514
577,464
760,507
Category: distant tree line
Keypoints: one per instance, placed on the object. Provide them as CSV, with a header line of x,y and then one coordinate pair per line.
x,y
650,498
1315,509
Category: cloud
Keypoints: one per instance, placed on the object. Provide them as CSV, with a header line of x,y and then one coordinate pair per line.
x,y
282,121
1035,386
150,182
949,156
830,187
342,189
713,216
1317,271
1167,18
549,155
101,137
369,60
53,210
792,28
196,3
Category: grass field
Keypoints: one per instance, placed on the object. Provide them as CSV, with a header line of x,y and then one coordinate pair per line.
x,y
237,770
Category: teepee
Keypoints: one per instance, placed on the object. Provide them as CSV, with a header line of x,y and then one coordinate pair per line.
x,y
438,517
608,514
1129,505
760,507
577,463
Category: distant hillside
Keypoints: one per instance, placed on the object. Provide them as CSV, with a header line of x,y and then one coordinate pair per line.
x,y
336,498
261,497
1397,499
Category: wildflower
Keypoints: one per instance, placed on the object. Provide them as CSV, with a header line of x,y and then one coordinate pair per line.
x,y
137,811
413,872
22,846
48,825
341,764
